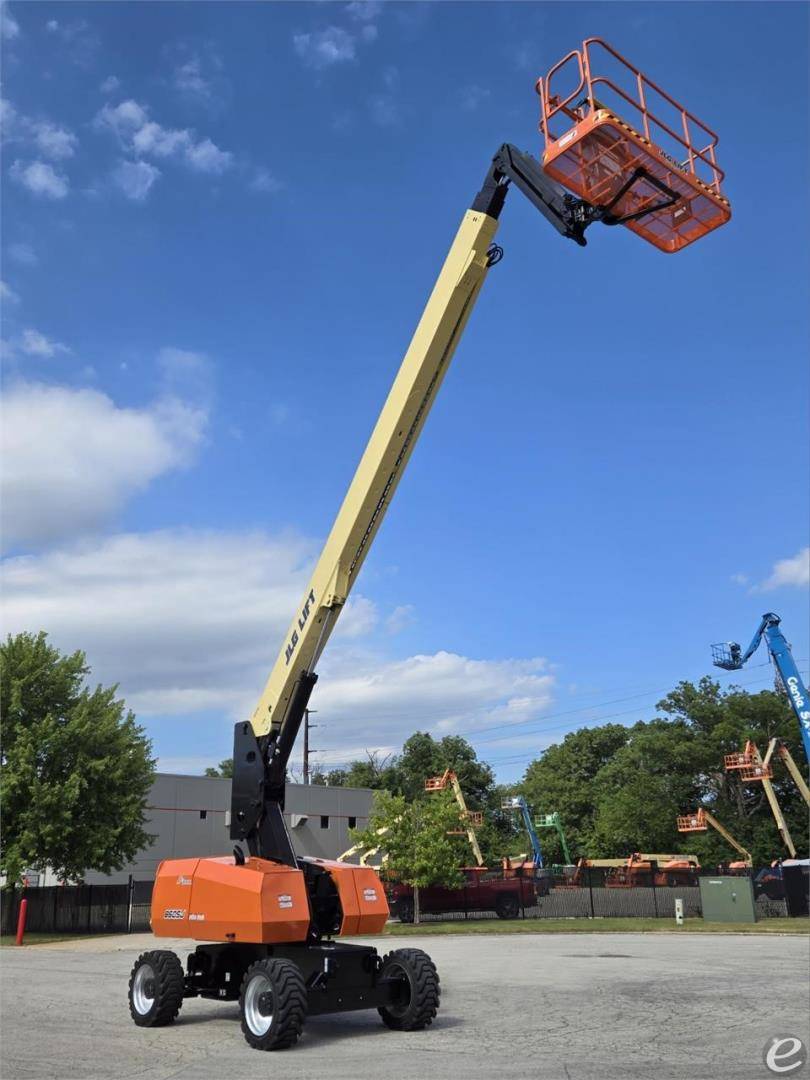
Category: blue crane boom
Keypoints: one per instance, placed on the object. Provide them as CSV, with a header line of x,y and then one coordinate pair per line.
x,y
517,802
729,655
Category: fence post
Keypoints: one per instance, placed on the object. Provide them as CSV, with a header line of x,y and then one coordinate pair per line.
x,y
589,870
55,904
654,871
21,920
130,895
89,906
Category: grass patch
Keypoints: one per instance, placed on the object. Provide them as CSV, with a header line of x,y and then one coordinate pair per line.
x,y
597,926
36,938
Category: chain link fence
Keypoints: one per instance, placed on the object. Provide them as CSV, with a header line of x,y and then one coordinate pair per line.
x,y
577,893
617,892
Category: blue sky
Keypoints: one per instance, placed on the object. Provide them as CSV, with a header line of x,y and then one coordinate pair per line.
x,y
221,222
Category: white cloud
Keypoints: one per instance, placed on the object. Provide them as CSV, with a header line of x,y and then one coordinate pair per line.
x,y
54,142
73,457
207,157
186,375
7,116
34,343
189,79
110,84
40,179
135,178
130,123
185,620
360,616
78,39
9,27
189,621
794,571
123,119
443,691
364,10
158,141
385,110
23,254
320,49
473,96
7,294
401,617
264,181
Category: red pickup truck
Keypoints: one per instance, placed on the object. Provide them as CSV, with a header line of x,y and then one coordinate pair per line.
x,y
481,891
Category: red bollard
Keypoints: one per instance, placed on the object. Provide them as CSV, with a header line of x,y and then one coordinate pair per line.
x,y
21,921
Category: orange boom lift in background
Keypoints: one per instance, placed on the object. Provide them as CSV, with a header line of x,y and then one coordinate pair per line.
x,y
269,921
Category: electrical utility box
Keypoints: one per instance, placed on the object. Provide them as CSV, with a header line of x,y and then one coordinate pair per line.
x,y
728,899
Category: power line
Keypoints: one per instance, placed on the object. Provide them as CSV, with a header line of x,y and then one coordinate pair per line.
x,y
527,755
544,728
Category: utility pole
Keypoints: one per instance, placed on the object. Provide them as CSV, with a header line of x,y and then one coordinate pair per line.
x,y
307,751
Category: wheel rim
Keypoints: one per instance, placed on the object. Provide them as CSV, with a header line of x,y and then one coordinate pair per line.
x,y
400,1006
259,1005
143,989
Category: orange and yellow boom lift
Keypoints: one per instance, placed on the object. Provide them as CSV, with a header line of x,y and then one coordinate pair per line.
x,y
700,822
469,820
752,768
267,921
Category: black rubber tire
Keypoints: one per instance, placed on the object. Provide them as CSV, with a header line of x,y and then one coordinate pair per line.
x,y
289,1004
507,906
421,1004
166,992
405,909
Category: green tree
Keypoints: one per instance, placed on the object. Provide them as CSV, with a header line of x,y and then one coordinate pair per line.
x,y
420,848
374,772
562,780
75,768
619,790
637,794
423,756
720,722
225,768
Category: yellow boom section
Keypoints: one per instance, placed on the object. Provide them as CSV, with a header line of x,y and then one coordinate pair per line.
x,y
381,466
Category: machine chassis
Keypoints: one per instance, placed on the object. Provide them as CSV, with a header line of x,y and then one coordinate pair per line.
x,y
338,977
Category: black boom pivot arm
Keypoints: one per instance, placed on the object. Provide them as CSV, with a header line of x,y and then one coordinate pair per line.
x,y
569,215
259,776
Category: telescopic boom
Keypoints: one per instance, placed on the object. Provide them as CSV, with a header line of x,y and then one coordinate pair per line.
x,y
262,747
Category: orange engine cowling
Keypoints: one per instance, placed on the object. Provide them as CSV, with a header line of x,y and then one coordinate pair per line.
x,y
262,902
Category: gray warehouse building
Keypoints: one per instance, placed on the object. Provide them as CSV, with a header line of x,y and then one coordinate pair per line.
x,y
190,815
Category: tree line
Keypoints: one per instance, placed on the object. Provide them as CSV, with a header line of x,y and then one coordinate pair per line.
x,y
618,789
76,768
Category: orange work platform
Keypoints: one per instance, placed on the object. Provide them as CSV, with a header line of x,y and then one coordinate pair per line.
x,y
692,822
739,760
616,139
756,771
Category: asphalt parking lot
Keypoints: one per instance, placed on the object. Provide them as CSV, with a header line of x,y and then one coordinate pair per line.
x,y
554,1007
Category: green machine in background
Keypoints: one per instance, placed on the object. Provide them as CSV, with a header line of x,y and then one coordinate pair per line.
x,y
728,899
552,821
